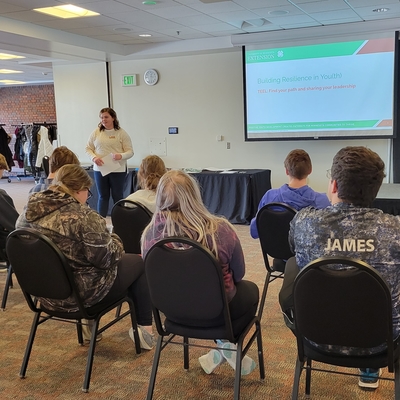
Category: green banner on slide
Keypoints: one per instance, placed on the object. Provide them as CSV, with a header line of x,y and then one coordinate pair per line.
x,y
303,52
310,126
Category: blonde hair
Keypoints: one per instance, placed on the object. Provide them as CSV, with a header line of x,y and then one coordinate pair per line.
x,y
178,201
3,162
151,170
71,178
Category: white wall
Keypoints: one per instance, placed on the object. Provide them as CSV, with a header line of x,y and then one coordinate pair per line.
x,y
200,94
80,93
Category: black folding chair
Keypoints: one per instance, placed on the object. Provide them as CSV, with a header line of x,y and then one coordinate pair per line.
x,y
273,223
129,219
187,286
43,271
347,307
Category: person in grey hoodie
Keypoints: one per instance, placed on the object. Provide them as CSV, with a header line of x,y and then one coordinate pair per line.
x,y
296,193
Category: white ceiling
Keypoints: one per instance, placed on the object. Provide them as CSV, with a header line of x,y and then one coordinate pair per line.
x,y
175,26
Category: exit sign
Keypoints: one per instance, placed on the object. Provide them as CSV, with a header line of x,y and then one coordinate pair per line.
x,y
129,80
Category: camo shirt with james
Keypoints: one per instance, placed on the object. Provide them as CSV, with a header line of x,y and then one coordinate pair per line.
x,y
342,229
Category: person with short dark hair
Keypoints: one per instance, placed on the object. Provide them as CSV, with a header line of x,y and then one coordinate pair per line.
x,y
60,156
350,228
296,193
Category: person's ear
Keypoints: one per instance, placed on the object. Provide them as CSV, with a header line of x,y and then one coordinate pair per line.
x,y
334,186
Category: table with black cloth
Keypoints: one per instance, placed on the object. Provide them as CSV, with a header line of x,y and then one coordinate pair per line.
x,y
234,195
129,187
388,198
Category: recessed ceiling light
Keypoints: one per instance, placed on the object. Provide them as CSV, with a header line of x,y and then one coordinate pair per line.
x,y
149,3
278,13
5,56
378,10
122,29
145,35
9,71
11,82
66,11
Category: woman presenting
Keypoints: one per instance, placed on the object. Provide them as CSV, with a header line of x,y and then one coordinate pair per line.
x,y
109,139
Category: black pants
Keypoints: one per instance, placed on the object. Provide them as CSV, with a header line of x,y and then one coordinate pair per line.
x,y
131,277
245,300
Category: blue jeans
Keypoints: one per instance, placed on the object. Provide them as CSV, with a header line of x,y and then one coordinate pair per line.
x,y
114,182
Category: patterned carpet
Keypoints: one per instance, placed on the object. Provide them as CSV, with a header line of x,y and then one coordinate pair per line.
x,y
57,364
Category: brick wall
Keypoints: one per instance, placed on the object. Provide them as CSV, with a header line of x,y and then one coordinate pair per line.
x,y
26,104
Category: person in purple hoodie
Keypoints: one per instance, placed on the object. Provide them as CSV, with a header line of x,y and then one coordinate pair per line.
x,y
296,193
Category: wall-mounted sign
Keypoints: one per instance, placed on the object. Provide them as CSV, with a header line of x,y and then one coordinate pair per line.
x,y
129,80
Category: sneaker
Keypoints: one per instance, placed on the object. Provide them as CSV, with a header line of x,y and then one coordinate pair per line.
x,y
147,340
369,378
211,360
248,363
87,331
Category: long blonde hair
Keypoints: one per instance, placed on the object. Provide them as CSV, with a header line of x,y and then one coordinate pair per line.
x,y
179,204
71,178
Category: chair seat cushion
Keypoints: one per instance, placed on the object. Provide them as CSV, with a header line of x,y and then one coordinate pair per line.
x,y
103,305
209,332
378,360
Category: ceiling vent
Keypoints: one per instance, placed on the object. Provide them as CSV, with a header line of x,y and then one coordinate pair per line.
x,y
254,23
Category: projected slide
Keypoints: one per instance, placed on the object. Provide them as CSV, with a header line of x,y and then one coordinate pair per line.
x,y
320,90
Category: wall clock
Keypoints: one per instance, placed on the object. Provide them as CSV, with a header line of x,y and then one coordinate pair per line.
x,y
151,77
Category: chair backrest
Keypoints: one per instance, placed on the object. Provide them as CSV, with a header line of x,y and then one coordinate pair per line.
x,y
41,268
273,223
350,306
129,220
186,283
46,165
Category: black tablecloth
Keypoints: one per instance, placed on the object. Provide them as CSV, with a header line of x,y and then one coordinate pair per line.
x,y
234,195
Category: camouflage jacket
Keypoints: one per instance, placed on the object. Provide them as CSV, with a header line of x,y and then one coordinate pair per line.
x,y
82,235
342,229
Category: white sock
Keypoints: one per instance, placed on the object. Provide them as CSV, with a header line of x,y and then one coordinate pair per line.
x,y
211,360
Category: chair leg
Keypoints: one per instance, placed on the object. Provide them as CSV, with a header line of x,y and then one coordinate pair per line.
x,y
260,351
118,311
264,295
29,345
154,369
134,326
397,380
89,363
185,353
7,286
79,332
308,377
296,381
238,370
